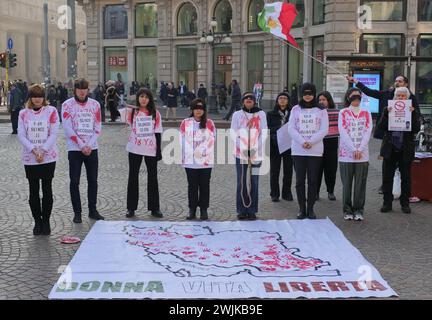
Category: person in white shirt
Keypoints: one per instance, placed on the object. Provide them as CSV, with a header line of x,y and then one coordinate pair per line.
x,y
37,131
355,128
198,135
144,143
308,125
82,126
249,132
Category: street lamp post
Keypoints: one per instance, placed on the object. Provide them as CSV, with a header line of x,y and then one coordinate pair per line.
x,y
211,38
72,65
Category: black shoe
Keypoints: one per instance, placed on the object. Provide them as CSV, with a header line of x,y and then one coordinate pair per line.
x,y
203,214
46,228
380,190
252,216
14,132
406,209
130,214
312,215
331,196
317,197
77,218
96,216
192,214
37,230
301,216
242,216
288,197
275,199
157,214
386,208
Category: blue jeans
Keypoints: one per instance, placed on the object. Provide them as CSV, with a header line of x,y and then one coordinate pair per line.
x,y
247,205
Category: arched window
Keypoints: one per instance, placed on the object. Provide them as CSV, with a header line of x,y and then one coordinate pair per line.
x,y
223,15
255,7
187,20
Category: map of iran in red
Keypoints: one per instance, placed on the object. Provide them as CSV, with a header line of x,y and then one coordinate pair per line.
x,y
195,250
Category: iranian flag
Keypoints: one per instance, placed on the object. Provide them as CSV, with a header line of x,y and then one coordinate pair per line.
x,y
277,18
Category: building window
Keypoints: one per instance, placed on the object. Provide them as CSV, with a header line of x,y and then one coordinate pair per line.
x,y
424,70
386,44
146,67
116,64
317,68
318,12
299,21
187,20
146,20
223,14
255,7
255,64
295,68
387,10
187,66
115,22
425,10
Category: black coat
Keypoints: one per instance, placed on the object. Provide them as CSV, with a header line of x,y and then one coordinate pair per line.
x,y
202,93
274,123
171,100
408,147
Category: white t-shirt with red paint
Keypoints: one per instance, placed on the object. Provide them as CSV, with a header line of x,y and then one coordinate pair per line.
x,y
249,133
308,125
355,132
38,129
81,124
197,144
142,139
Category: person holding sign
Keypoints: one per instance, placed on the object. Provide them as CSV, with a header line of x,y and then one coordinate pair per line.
x,y
331,142
144,142
82,126
398,148
249,132
276,119
355,128
37,131
197,140
308,125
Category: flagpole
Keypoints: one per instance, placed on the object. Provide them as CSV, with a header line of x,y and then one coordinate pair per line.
x,y
319,61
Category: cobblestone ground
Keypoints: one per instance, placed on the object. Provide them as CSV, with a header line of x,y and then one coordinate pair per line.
x,y
398,245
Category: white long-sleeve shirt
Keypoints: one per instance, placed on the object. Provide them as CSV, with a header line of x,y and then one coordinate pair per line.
x,y
81,124
38,129
308,125
355,132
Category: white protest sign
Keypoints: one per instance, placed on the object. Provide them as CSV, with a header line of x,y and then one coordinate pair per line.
x,y
144,126
85,124
37,132
400,115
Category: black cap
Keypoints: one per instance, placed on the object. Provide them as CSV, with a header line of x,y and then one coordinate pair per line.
x,y
308,88
285,94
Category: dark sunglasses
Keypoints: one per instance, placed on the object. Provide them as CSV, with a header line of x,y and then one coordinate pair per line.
x,y
249,98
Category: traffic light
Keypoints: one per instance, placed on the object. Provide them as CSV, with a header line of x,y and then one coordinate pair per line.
x,y
3,58
12,60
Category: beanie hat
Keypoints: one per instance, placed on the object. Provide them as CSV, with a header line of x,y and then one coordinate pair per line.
x,y
308,87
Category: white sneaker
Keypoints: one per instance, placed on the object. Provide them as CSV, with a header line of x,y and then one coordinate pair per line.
x,y
349,216
358,217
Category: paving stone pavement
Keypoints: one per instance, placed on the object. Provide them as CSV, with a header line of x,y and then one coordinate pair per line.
x,y
398,245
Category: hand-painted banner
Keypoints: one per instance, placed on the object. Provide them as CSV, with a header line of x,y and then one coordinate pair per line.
x,y
259,259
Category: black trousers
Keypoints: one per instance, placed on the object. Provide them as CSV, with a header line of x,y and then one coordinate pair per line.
x,y
14,119
329,164
275,165
235,106
306,167
198,187
389,168
135,161
91,163
41,212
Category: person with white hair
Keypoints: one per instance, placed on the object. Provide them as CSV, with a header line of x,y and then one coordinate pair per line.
x,y
398,151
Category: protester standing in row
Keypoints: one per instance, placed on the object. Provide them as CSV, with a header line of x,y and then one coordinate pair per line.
x,y
198,135
398,151
355,128
249,132
82,126
144,142
37,132
277,118
331,143
308,125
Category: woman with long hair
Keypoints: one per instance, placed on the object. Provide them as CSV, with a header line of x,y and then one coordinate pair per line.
x,y
37,131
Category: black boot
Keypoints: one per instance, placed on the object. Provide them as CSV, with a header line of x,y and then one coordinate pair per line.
x,y
77,218
302,215
37,230
96,216
130,214
203,214
47,204
36,211
192,214
156,214
288,196
46,227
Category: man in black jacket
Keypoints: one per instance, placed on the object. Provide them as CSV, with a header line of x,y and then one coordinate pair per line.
x,y
235,92
16,104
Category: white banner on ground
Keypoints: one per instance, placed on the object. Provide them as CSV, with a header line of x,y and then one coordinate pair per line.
x,y
232,259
